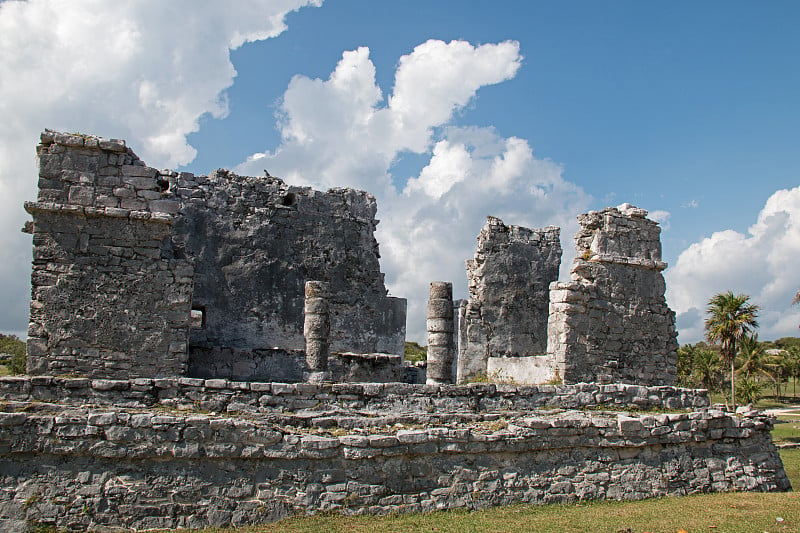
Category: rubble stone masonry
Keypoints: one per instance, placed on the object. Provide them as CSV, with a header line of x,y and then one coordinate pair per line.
x,y
611,323
101,226
124,254
256,241
219,453
509,279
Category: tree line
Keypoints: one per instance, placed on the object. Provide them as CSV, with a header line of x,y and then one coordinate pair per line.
x,y
734,357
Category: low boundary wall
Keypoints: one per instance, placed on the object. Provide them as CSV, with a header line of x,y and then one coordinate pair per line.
x,y
105,456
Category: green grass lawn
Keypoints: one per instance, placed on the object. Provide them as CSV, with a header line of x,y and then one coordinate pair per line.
x,y
787,432
791,463
727,512
788,398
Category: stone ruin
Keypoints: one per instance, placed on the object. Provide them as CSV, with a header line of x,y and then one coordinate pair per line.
x,y
506,314
221,350
146,273
611,323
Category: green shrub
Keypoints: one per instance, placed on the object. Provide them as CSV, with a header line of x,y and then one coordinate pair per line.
x,y
414,352
748,390
12,345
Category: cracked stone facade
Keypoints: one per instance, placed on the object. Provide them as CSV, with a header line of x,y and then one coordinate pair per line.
x,y
256,241
507,311
123,253
611,322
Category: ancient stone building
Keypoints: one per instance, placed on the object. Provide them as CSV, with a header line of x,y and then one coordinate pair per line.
x,y
123,253
128,260
611,323
509,279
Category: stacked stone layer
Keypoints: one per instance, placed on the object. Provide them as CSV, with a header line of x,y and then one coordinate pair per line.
x,y
317,325
291,366
441,338
611,323
386,399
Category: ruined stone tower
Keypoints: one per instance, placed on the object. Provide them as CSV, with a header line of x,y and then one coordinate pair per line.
x,y
125,254
509,279
611,323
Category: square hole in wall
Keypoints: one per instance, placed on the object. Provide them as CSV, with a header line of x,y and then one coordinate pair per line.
x,y
197,318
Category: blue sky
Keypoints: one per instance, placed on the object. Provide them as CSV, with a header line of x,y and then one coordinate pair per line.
x,y
662,104
687,109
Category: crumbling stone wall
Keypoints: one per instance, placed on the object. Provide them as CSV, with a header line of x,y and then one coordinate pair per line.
x,y
509,279
123,252
101,227
290,366
612,322
386,403
256,241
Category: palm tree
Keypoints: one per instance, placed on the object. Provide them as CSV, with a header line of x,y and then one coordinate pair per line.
x,y
775,367
752,354
796,300
686,355
793,366
730,319
705,367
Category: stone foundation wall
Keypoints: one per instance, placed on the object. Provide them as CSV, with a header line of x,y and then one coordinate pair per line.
x,y
101,227
102,467
289,366
389,399
611,323
509,279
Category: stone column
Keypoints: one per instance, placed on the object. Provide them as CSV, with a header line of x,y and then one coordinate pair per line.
x,y
316,330
440,333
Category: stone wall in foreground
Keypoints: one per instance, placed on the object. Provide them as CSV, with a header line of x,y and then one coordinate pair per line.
x,y
109,466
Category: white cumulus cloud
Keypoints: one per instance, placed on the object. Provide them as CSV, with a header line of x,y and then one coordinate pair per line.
x,y
763,263
145,71
343,132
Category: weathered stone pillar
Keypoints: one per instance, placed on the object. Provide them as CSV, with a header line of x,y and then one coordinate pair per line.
x,y
316,330
440,333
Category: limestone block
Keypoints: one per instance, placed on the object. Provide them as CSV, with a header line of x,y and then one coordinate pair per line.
x,y
440,308
440,325
164,206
